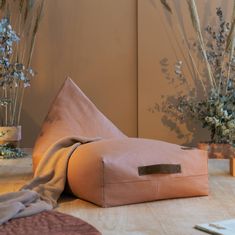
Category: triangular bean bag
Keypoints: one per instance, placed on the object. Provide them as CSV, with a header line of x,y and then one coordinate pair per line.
x,y
72,114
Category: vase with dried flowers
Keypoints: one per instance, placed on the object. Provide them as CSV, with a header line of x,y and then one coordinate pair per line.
x,y
214,105
16,48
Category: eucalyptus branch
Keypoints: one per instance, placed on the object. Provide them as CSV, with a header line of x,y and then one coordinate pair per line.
x,y
230,37
215,111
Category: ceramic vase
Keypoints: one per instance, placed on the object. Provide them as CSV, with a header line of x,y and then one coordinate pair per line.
x,y
217,150
220,151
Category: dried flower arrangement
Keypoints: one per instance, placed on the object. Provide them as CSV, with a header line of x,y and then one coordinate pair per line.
x,y
16,48
16,54
7,151
214,107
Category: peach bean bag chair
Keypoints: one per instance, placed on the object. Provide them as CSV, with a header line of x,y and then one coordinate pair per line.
x,y
118,170
71,114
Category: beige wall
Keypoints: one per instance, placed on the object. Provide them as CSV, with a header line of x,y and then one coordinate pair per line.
x,y
94,42
157,40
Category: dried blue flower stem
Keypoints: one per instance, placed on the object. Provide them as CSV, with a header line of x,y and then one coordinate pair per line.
x,y
8,151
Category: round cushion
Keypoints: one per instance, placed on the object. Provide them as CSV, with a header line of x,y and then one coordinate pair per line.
x,y
48,223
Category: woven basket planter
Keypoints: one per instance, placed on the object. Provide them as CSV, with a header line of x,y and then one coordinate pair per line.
x,y
10,135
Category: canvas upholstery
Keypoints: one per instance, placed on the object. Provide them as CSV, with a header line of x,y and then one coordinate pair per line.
x,y
106,172
72,114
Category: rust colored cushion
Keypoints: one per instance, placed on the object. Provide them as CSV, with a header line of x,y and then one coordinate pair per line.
x,y
48,223
106,172
72,114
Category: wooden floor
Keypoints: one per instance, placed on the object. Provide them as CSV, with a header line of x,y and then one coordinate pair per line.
x,y
166,217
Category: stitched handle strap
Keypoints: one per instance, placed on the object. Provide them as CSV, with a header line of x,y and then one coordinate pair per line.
x,y
159,169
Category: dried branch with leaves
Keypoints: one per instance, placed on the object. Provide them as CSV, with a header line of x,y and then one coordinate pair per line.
x,y
216,110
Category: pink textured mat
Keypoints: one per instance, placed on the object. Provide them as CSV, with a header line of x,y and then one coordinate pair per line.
x,y
48,223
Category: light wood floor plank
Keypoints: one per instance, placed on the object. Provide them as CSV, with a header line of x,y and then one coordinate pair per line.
x,y
166,217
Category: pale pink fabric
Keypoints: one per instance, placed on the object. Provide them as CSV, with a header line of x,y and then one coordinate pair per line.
x,y
72,114
106,172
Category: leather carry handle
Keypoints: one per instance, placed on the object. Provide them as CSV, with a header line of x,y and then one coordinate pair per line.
x,y
159,169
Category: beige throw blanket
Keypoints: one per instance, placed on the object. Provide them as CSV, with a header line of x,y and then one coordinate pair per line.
x,y
47,185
